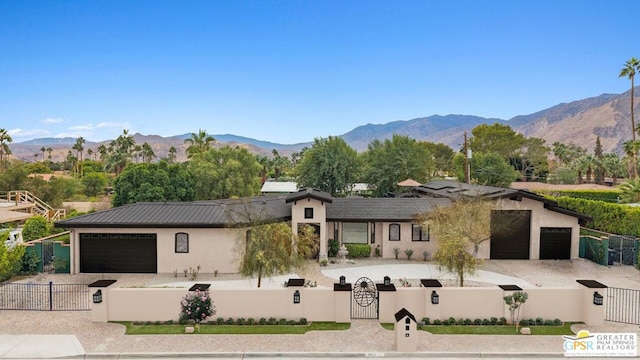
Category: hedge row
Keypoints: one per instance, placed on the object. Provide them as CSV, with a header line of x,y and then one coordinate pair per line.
x,y
492,321
229,321
607,217
358,250
610,196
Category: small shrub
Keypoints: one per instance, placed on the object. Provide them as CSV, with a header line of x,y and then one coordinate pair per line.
x,y
446,322
303,321
211,322
437,322
262,321
467,321
477,322
425,255
220,321
190,322
539,321
334,246
138,323
460,321
557,322
181,321
532,321
175,273
452,320
358,250
494,321
377,251
282,322
197,306
292,322
251,321
230,321
503,321
426,320
240,321
524,322
548,322
157,323
323,262
148,322
409,253
396,252
272,321
486,322
168,322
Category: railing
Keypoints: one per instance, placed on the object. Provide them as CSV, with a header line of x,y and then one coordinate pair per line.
x,y
41,208
44,297
623,305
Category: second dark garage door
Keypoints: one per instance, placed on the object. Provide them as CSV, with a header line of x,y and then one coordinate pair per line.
x,y
555,243
118,253
510,234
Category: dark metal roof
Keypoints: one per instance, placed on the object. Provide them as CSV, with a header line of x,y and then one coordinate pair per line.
x,y
310,193
404,313
205,214
381,209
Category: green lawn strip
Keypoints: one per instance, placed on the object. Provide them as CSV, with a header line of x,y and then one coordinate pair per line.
x,y
232,329
491,329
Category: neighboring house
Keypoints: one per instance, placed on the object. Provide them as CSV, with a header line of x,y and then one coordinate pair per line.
x,y
278,187
167,237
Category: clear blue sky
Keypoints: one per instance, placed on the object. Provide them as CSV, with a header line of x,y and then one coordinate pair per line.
x,y
289,71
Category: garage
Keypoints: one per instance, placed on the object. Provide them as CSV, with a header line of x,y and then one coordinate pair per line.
x,y
118,253
510,234
555,243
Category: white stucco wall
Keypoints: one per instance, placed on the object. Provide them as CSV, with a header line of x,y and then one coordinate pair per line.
x,y
319,218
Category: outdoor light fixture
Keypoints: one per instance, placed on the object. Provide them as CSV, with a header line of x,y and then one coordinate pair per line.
x,y
435,298
97,297
342,280
387,281
296,297
597,298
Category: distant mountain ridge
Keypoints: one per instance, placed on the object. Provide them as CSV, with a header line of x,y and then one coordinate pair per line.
x,y
578,122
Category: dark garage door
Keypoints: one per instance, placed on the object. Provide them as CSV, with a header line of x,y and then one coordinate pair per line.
x,y
118,253
510,234
555,243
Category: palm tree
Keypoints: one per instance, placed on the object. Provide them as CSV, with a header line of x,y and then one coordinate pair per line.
x,y
43,149
614,167
5,140
171,157
630,191
630,148
199,143
629,70
89,153
79,149
147,152
49,150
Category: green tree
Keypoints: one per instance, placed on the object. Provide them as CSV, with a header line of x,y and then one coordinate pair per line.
x,y
496,138
487,169
514,302
10,260
630,191
172,155
79,148
442,156
273,249
629,70
119,152
94,183
393,160
147,152
153,182
35,227
330,165
532,159
614,166
224,173
199,143
599,171
5,140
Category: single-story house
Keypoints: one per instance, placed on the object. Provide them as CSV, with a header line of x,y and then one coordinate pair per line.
x,y
166,237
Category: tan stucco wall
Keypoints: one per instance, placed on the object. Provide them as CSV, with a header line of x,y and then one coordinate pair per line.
x,y
319,218
212,249
404,243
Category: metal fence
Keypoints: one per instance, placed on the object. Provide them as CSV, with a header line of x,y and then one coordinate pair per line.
x,y
623,305
44,297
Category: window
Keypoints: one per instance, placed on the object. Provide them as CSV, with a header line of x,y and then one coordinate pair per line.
x,y
418,233
394,232
373,233
308,213
354,233
182,242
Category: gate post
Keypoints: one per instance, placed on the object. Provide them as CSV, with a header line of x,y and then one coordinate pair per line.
x,y
386,302
342,301
594,302
100,299
50,295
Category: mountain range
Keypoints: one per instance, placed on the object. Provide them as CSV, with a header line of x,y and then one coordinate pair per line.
x,y
578,122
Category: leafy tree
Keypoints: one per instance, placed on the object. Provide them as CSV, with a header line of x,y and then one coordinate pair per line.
x,y
629,70
442,155
10,260
153,182
224,173
94,183
393,160
199,143
147,152
14,177
35,227
599,170
5,140
496,138
514,302
454,254
566,154
329,165
488,169
614,167
532,158
631,149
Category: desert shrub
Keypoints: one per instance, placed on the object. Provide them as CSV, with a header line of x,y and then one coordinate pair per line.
x,y
409,253
494,321
437,322
477,322
272,321
548,322
303,321
251,321
467,321
557,322
396,252
358,250
524,322
230,321
262,321
539,321
220,321
240,321
426,320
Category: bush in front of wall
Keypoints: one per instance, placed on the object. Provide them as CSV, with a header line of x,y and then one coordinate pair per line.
x,y
358,250
334,246
409,253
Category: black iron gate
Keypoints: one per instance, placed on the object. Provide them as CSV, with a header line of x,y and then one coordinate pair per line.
x,y
47,256
623,305
364,300
44,297
622,250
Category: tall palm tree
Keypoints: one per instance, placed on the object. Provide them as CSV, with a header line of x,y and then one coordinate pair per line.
x,y
614,167
5,140
199,143
49,150
147,152
630,191
171,157
629,70
43,149
630,148
79,150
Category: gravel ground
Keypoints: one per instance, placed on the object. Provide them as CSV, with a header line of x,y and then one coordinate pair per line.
x,y
363,336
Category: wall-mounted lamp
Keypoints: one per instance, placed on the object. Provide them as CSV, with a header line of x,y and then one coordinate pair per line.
x,y
597,298
342,280
435,298
97,297
296,297
387,281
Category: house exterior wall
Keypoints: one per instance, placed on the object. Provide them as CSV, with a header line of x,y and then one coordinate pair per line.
x,y
540,217
405,242
319,218
212,249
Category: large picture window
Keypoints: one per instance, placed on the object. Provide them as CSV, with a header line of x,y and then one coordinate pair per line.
x,y
419,234
354,233
182,242
394,232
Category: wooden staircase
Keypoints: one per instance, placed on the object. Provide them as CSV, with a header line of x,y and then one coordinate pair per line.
x,y
25,201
